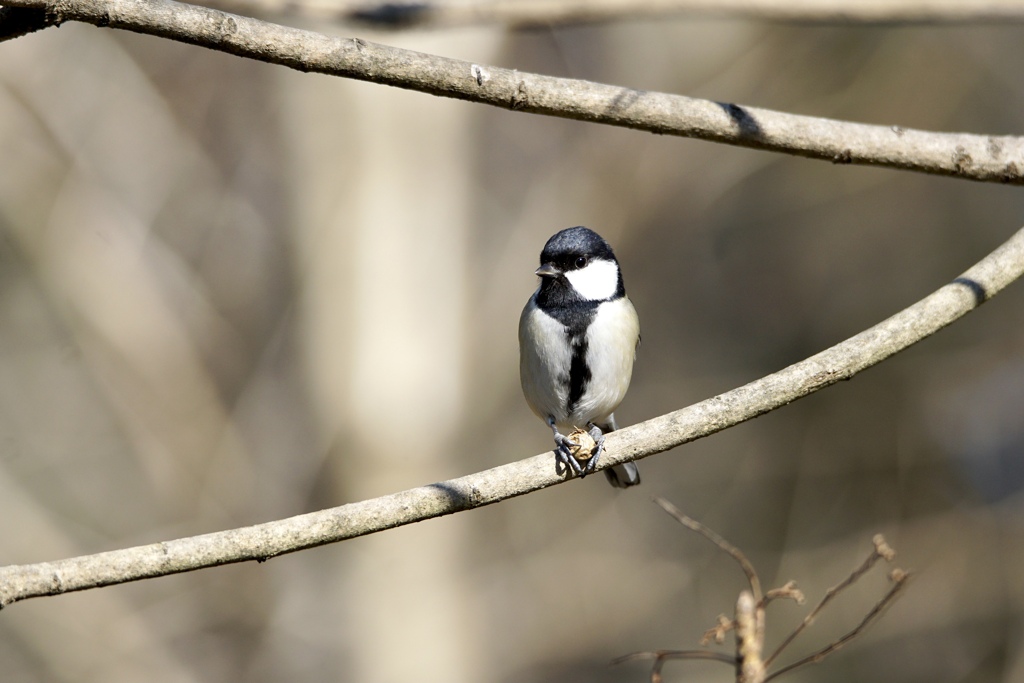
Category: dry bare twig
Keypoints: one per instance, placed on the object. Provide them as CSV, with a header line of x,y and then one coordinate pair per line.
x,y
899,579
262,541
724,545
789,591
974,157
882,552
662,656
719,631
750,624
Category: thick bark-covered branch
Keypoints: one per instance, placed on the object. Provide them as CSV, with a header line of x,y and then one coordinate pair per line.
x,y
264,541
974,157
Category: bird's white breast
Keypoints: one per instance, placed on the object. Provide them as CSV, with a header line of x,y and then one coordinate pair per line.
x,y
544,362
611,349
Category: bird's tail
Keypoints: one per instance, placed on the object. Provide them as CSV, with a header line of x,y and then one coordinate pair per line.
x,y
621,476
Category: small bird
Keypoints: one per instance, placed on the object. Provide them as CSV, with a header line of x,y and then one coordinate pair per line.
x,y
578,337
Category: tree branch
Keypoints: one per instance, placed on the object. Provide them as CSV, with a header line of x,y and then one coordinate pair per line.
x,y
974,157
263,541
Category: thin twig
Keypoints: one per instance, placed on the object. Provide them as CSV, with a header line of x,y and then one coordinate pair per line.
x,y
899,579
718,632
676,654
662,656
714,537
881,551
986,158
842,361
786,592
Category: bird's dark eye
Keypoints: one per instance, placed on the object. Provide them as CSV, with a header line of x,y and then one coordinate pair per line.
x,y
581,261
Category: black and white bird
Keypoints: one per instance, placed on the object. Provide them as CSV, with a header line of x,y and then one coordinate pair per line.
x,y
578,337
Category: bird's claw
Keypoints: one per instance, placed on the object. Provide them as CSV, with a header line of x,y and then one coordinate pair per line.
x,y
564,456
598,436
566,461
567,450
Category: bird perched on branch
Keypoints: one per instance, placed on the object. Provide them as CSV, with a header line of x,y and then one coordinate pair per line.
x,y
578,337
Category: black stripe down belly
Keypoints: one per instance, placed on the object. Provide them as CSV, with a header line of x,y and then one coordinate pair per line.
x,y
579,372
576,316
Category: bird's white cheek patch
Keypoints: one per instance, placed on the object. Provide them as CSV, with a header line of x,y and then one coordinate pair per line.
x,y
597,281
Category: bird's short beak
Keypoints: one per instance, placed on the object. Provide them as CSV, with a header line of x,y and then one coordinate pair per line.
x,y
548,270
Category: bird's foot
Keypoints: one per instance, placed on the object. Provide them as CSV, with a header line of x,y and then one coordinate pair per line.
x,y
565,459
579,451
598,436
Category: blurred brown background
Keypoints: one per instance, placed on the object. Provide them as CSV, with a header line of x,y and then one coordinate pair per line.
x,y
230,292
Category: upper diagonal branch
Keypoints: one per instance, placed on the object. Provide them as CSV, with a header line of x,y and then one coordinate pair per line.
x,y
263,541
975,157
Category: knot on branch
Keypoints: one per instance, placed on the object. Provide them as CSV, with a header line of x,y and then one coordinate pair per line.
x,y
227,27
519,98
962,160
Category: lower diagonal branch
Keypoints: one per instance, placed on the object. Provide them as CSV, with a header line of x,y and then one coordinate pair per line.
x,y
262,541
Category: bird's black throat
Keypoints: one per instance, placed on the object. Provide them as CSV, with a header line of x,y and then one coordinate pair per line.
x,y
558,299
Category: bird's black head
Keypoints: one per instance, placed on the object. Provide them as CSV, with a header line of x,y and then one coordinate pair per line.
x,y
577,267
574,248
